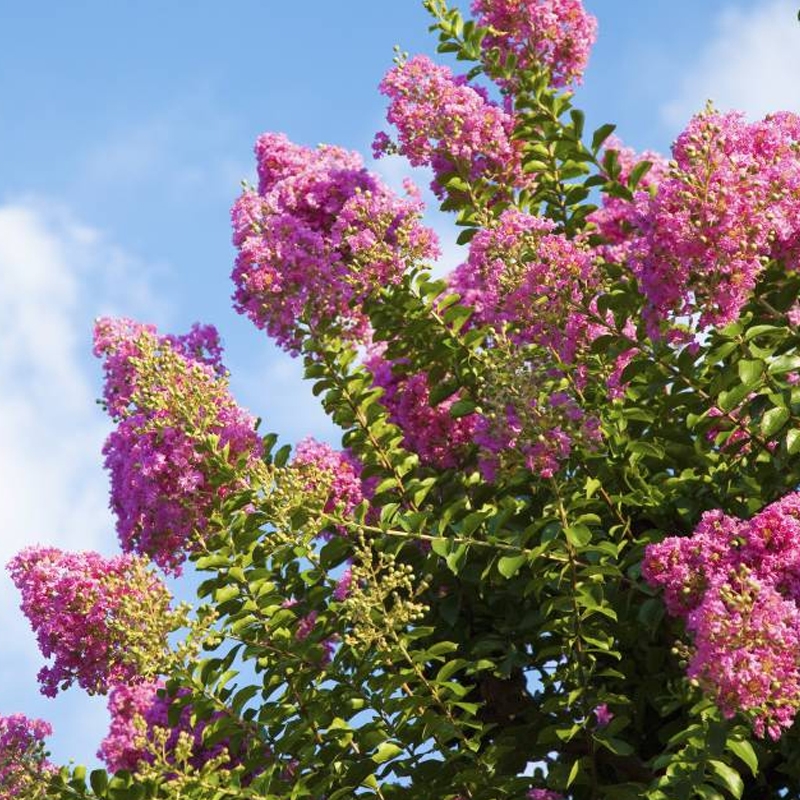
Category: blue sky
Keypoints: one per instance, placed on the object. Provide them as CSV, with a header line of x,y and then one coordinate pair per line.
x,y
124,132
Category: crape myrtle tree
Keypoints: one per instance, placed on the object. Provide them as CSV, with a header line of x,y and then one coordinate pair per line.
x,y
558,554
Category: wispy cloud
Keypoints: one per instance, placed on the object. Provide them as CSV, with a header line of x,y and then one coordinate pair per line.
x,y
184,150
751,63
56,274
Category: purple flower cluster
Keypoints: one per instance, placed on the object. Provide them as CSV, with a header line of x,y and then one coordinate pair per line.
x,y
447,124
537,435
119,342
544,794
617,219
136,712
101,620
179,436
522,275
736,583
730,202
23,763
319,236
331,474
555,34
429,431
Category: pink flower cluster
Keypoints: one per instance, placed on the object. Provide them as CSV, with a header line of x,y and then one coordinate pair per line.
x,y
101,620
522,275
449,125
736,583
730,202
136,712
119,343
617,220
534,434
23,763
179,431
319,236
332,474
555,34
430,431
544,794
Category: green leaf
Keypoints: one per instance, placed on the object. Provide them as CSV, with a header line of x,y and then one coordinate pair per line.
x,y
793,441
592,485
385,752
773,420
578,535
282,456
750,371
732,399
616,746
638,172
98,780
461,408
742,749
784,363
727,777
509,565
578,120
573,773
760,330
601,134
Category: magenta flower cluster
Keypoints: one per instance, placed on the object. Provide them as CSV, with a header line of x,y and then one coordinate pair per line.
x,y
538,435
617,220
123,746
736,584
23,764
136,712
100,620
544,794
555,34
119,343
449,125
319,236
522,275
178,430
730,203
331,474
429,431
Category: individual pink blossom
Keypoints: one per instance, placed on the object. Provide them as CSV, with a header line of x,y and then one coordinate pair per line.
x,y
101,620
522,275
730,203
179,436
553,34
602,715
444,122
23,761
319,236
343,586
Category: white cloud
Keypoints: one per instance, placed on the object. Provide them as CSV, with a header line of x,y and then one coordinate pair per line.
x,y
56,275
751,64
